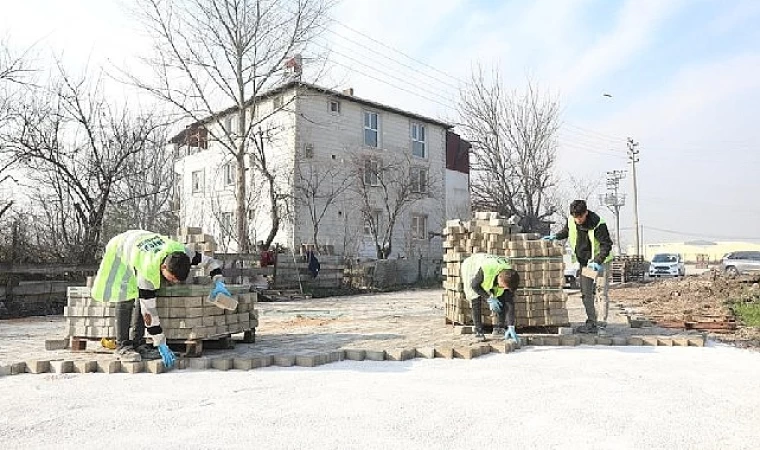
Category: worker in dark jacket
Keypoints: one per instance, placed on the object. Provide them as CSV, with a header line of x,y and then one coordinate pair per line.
x,y
591,246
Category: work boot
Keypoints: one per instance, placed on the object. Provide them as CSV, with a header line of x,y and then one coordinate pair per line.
x,y
588,328
148,352
479,335
498,332
127,353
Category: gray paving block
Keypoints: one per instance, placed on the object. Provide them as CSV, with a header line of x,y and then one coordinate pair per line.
x,y
62,366
181,363
133,367
619,340
697,341
335,356
664,341
635,340
426,352
401,354
85,366
444,352
603,340
588,340
483,349
551,340
111,366
307,360
284,360
649,340
18,368
354,355
242,363
466,352
36,366
569,340
374,355
202,363
5,370
221,363
262,361
155,366
463,330
56,344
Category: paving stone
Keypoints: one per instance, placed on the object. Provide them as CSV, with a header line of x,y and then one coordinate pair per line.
x,y
221,363
466,352
284,360
5,371
263,361
374,355
202,363
155,366
401,354
463,330
681,342
635,340
18,368
551,340
562,331
569,340
62,366
56,344
603,340
511,346
619,340
308,360
425,352
588,340
242,363
649,340
665,341
336,355
36,366
697,341
354,355
534,340
444,352
133,367
499,347
85,366
181,363
109,366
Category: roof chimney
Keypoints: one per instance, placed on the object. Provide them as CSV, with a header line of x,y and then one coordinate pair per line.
x,y
349,91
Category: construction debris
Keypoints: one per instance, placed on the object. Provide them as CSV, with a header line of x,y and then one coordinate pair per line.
x,y
539,302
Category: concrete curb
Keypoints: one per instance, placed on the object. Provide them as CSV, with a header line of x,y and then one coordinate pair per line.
x,y
225,363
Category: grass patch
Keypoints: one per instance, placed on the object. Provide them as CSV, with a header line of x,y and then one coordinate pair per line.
x,y
749,313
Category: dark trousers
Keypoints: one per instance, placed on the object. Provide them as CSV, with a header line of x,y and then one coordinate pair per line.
x,y
130,327
507,311
588,291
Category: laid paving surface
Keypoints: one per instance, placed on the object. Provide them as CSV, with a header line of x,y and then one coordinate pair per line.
x,y
382,322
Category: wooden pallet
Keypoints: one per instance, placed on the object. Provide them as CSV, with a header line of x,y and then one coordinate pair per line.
x,y
190,348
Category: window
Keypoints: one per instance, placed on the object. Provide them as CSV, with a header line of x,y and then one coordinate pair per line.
x,y
333,107
229,173
371,129
371,220
419,227
198,182
277,102
230,123
418,140
419,180
371,172
227,221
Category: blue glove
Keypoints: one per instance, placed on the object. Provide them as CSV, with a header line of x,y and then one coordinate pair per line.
x,y
219,288
595,266
551,238
494,304
511,334
167,355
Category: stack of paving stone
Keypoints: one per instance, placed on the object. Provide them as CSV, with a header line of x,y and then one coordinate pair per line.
x,y
195,239
540,300
185,311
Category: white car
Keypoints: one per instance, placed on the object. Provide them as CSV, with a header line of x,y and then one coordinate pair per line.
x,y
667,265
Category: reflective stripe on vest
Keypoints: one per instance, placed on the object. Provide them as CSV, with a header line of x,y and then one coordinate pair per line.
x,y
491,266
572,237
133,252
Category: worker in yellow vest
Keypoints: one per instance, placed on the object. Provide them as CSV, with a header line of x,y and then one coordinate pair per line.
x,y
491,278
135,265
591,246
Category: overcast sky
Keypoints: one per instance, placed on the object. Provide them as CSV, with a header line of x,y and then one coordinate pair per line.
x,y
684,78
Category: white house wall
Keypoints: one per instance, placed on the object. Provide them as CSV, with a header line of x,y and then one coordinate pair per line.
x,y
458,204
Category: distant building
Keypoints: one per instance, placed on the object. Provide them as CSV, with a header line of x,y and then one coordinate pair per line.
x,y
690,250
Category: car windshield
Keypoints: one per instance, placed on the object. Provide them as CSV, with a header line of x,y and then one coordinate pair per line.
x,y
664,259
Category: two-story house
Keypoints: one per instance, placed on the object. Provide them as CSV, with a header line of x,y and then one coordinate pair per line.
x,y
349,165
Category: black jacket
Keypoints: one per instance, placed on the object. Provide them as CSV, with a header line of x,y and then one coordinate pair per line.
x,y
583,246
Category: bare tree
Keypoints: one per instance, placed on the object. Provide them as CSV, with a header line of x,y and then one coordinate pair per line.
x,y
212,53
317,187
388,188
76,149
513,138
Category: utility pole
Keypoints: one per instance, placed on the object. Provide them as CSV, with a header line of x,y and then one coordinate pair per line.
x,y
633,156
613,200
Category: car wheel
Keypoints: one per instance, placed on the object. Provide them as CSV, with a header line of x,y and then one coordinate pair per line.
x,y
731,271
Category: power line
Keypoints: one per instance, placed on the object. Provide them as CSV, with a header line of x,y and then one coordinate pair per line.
x,y
697,235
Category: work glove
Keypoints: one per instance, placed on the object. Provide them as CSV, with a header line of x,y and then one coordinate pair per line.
x,y
219,288
511,334
167,356
550,238
494,304
595,266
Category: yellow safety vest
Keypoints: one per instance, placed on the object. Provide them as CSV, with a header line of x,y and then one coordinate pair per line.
x,y
572,237
491,266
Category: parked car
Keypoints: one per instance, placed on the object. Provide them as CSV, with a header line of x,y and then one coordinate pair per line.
x,y
667,265
739,263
